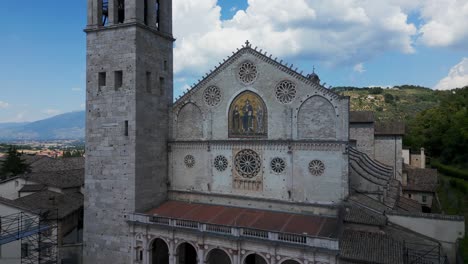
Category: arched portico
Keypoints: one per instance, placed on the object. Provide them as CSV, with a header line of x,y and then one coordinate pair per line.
x,y
186,254
159,252
217,256
255,259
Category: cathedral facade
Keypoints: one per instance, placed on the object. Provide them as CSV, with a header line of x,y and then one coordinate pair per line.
x,y
252,165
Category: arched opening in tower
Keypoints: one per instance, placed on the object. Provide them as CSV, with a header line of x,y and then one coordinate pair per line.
x,y
255,259
186,254
217,256
159,252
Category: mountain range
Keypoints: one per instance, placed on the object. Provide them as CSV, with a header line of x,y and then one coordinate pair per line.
x,y
65,126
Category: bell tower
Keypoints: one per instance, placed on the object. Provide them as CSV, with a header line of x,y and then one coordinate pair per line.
x,y
129,94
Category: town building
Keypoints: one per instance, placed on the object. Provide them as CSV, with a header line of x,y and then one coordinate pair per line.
x,y
43,207
257,163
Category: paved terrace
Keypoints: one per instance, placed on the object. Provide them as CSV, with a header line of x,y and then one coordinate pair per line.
x,y
297,229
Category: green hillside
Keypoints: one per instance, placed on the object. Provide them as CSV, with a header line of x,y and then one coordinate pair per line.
x,y
399,102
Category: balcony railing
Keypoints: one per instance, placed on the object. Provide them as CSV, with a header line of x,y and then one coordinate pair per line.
x,y
297,239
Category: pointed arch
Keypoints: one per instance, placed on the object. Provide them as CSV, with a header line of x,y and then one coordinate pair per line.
x,y
316,119
248,116
190,122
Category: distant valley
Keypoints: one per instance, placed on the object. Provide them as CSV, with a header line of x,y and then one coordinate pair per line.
x,y
61,127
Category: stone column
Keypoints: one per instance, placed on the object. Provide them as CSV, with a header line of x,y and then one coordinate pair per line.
x,y
113,12
201,256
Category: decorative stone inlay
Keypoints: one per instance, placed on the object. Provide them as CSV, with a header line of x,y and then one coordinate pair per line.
x,y
189,161
212,96
247,72
316,167
285,92
248,163
221,163
278,165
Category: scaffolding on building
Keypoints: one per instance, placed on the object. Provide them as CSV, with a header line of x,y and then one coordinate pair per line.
x,y
37,232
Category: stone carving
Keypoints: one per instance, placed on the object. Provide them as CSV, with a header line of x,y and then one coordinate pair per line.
x,y
247,72
190,122
212,96
316,119
285,92
316,167
247,116
221,163
248,163
189,161
277,165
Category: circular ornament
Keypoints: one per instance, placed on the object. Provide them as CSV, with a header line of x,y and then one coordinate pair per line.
x,y
316,167
247,72
212,96
285,92
278,165
248,163
221,163
189,161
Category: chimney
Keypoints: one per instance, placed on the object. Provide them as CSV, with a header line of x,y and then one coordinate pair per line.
x,y
423,159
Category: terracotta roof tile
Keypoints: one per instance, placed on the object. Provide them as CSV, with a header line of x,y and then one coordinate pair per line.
x,y
250,218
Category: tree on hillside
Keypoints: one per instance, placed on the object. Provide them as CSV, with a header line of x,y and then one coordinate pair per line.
x,y
443,130
73,153
13,164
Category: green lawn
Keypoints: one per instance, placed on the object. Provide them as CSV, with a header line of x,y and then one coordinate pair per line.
x,y
453,198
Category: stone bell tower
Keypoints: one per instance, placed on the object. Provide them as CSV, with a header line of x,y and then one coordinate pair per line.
x,y
129,93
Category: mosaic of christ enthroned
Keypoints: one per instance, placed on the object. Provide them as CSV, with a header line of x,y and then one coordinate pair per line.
x,y
248,116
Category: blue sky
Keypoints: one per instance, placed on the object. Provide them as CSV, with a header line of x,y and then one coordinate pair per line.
x,y
42,69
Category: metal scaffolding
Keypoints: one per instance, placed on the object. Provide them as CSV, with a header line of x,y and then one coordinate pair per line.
x,y
37,232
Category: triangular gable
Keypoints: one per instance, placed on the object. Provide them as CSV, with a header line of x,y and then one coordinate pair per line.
x,y
262,56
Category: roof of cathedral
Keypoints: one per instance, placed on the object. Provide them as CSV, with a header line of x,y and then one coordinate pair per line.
x,y
366,247
312,225
423,180
360,215
361,117
389,128
263,55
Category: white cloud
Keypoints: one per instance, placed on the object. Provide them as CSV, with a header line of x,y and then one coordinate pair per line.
x,y
444,23
326,31
77,89
457,77
4,105
82,106
51,112
359,68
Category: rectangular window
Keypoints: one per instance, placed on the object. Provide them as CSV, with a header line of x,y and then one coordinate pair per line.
x,y
165,65
158,13
126,128
148,82
118,79
424,198
146,12
120,11
24,250
102,79
141,255
161,86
